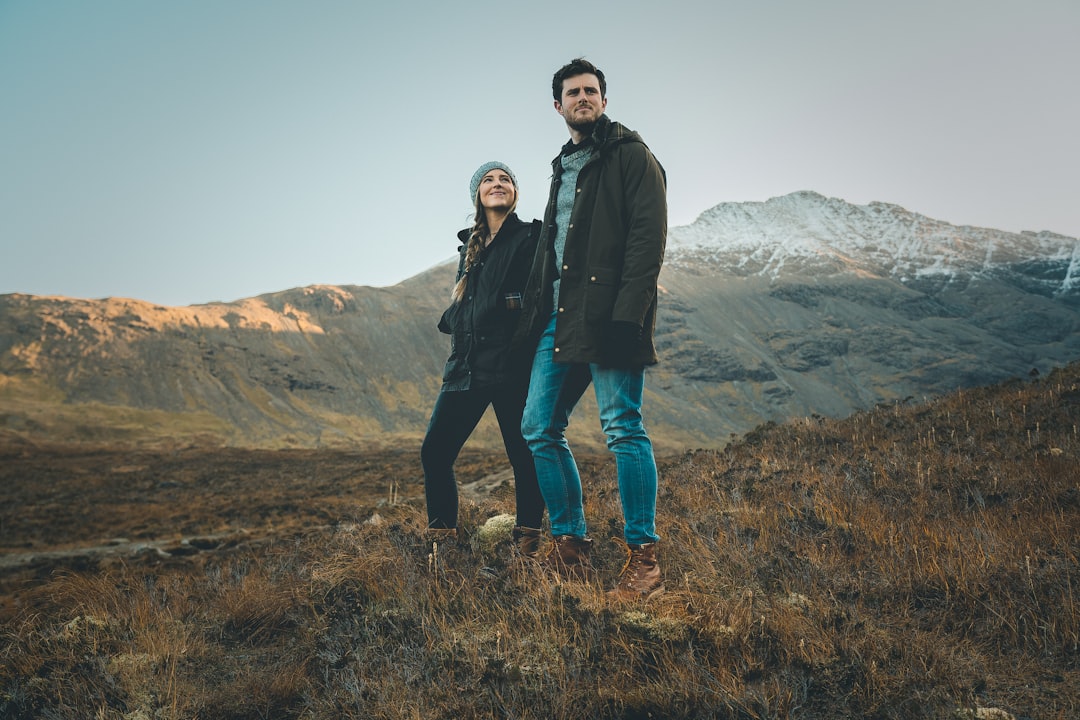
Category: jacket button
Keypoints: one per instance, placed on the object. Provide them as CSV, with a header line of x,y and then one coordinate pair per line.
x,y
561,309
556,349
565,267
593,278
571,226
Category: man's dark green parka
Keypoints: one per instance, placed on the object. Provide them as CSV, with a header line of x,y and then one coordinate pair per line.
x,y
615,244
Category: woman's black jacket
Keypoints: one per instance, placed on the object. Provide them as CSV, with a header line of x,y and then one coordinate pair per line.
x,y
481,326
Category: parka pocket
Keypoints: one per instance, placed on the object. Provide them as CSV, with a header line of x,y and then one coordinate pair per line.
x,y
457,364
600,292
451,370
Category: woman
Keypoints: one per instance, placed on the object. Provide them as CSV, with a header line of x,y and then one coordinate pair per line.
x,y
484,369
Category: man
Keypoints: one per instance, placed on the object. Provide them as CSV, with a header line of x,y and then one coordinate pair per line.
x,y
591,299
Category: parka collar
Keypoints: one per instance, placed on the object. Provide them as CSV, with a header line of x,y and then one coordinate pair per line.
x,y
511,220
605,133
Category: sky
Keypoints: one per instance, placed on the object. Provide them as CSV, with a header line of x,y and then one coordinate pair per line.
x,y
212,150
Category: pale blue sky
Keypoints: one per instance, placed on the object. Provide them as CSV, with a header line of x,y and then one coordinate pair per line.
x,y
187,152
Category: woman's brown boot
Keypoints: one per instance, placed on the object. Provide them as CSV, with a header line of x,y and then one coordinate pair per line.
x,y
526,542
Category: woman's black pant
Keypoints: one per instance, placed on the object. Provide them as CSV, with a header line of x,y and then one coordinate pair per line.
x,y
453,420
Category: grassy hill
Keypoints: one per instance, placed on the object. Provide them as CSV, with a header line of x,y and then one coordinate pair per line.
x,y
914,560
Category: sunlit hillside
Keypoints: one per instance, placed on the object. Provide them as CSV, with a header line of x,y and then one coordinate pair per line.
x,y
797,306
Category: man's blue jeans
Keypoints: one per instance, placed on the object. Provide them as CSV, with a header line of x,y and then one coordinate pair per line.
x,y
554,390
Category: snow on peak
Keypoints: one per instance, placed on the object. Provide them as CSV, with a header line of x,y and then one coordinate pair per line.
x,y
806,229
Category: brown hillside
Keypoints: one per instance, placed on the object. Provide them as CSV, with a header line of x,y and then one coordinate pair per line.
x,y
798,306
914,560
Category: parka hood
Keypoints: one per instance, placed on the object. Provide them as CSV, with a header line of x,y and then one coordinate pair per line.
x,y
607,134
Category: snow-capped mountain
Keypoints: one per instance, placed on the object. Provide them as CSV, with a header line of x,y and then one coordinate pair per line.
x,y
797,306
807,232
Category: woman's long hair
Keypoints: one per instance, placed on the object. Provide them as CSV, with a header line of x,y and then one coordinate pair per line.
x,y
478,238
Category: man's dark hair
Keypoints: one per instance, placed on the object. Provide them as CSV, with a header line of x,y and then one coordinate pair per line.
x,y
577,66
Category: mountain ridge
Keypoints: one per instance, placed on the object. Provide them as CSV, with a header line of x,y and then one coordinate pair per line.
x,y
796,306
806,226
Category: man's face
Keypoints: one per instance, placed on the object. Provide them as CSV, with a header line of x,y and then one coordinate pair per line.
x,y
581,105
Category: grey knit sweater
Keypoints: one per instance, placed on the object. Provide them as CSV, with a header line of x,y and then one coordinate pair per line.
x,y
572,165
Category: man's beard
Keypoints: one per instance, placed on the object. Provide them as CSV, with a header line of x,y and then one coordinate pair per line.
x,y
585,127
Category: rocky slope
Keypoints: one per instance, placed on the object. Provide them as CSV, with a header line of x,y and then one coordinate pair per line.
x,y
805,304
800,305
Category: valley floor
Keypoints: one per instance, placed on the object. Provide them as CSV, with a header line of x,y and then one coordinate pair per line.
x,y
911,561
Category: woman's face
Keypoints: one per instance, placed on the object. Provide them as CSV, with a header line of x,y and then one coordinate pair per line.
x,y
497,191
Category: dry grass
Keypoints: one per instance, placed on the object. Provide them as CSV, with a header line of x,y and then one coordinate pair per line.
x,y
917,560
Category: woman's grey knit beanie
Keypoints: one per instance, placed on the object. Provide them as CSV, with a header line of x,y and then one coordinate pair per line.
x,y
483,170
